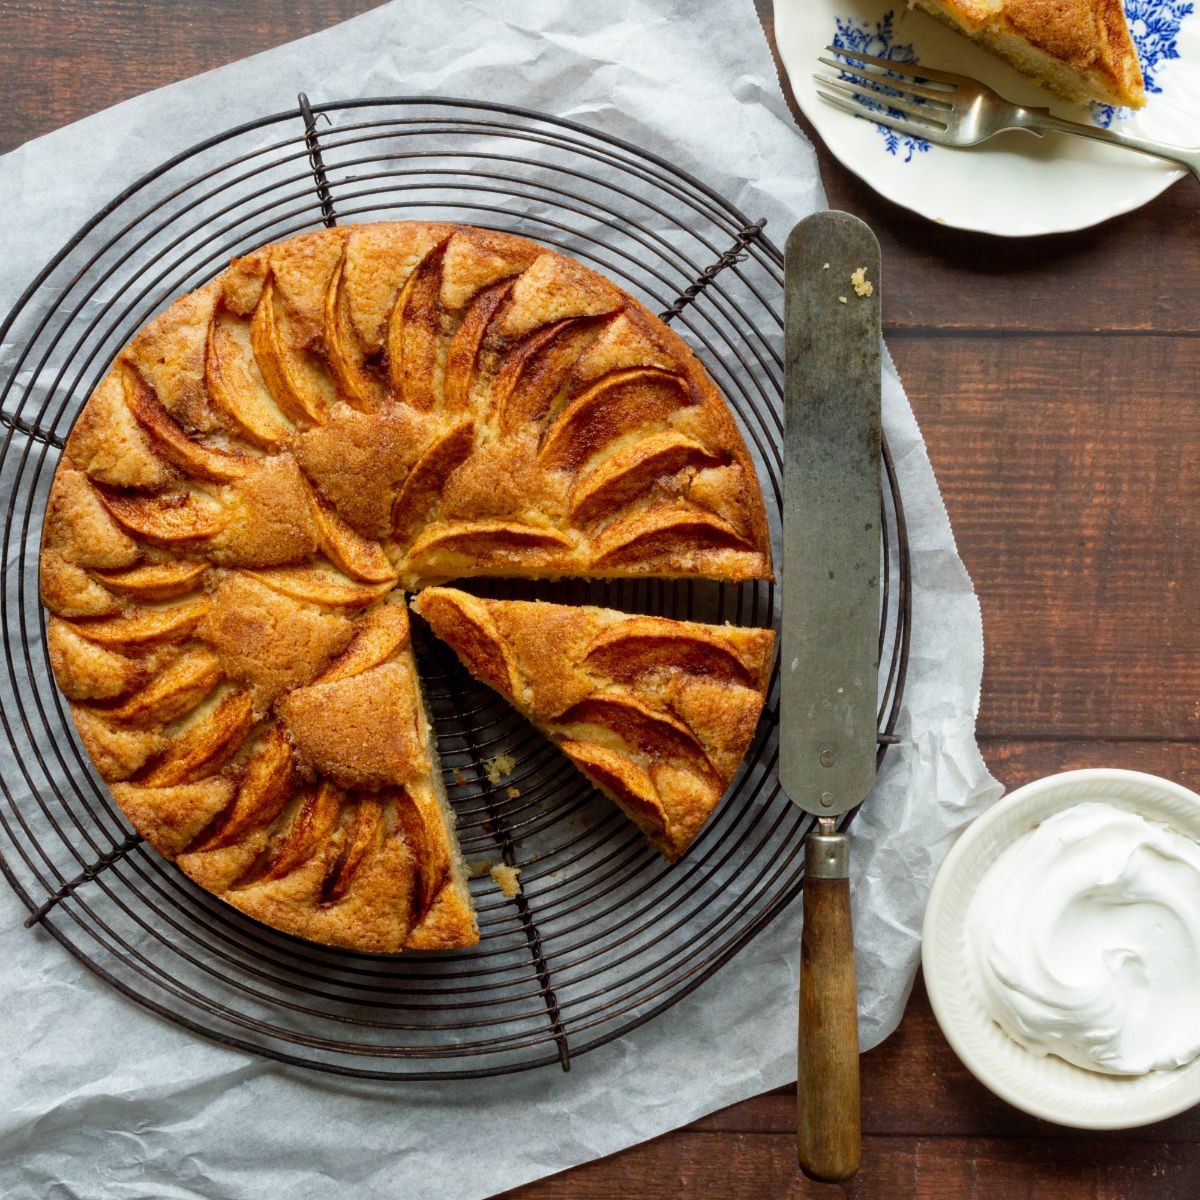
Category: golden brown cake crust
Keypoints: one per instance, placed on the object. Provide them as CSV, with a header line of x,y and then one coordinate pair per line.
x,y
657,713
337,417
1081,49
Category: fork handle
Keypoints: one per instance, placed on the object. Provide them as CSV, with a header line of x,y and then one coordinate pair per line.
x,y
1040,121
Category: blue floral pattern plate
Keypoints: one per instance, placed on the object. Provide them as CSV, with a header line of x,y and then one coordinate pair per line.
x,y
1015,185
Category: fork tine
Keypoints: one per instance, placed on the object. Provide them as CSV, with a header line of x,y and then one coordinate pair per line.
x,y
914,71
931,133
898,102
940,96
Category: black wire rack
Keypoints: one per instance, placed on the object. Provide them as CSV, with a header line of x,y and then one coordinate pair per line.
x,y
603,935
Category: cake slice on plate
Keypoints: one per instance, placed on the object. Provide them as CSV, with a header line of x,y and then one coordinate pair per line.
x,y
1080,49
657,713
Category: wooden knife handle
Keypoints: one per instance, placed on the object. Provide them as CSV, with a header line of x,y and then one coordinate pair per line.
x,y
827,1090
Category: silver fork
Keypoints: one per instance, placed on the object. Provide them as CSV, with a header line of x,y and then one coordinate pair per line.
x,y
954,110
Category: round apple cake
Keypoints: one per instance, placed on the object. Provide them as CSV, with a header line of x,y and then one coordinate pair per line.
x,y
337,419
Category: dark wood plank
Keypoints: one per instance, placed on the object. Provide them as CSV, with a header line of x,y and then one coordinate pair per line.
x,y
1136,273
750,1166
1016,763
1113,278
914,1086
1068,468
64,59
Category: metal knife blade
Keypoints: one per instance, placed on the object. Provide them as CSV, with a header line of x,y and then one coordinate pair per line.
x,y
831,515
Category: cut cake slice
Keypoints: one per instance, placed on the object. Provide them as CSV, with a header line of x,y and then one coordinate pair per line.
x,y
332,823
1081,49
657,713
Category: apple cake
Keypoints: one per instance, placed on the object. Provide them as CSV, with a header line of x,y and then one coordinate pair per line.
x,y
656,713
276,458
1081,49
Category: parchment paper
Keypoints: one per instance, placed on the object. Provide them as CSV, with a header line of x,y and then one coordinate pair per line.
x,y
98,1097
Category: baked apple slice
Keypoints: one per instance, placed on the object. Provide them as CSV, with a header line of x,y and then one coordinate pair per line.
x,y
266,786
427,479
312,585
366,826
173,442
635,470
380,635
671,538
639,647
281,364
177,689
154,581
358,384
486,548
203,746
229,378
170,519
413,334
146,627
641,400
463,352
347,550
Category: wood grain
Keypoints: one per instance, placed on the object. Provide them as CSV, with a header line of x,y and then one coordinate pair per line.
x,y
753,1166
1068,465
1056,382
827,1090
64,59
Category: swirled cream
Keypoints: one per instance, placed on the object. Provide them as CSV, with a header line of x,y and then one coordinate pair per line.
x,y
1083,940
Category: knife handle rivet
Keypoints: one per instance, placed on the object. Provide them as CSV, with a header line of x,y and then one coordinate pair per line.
x,y
826,799
828,758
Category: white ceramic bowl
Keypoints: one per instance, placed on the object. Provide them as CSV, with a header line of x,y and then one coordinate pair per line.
x,y
1047,1087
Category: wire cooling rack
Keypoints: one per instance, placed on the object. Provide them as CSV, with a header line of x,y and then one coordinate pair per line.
x,y
604,934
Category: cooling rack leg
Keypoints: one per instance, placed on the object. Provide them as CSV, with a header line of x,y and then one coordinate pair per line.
x,y
317,162
735,254
88,873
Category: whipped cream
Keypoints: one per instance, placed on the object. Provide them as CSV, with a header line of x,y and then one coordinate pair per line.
x,y
1083,940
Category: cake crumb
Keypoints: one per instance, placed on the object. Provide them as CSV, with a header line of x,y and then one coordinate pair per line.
x,y
863,287
478,866
843,300
506,879
459,777
496,768
824,266
513,793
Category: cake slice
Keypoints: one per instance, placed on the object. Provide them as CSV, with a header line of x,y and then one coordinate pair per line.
x,y
331,822
657,713
1080,49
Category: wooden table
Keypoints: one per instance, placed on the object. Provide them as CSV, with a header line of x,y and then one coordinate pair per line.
x,y
1058,385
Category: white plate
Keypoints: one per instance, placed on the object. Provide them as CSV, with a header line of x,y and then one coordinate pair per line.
x,y
1015,185
1048,1087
